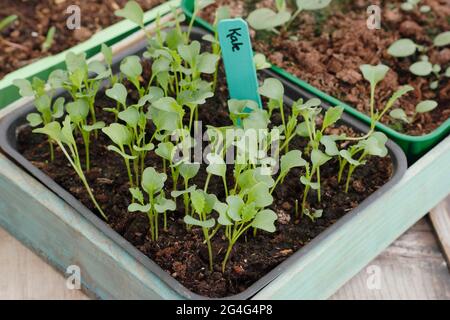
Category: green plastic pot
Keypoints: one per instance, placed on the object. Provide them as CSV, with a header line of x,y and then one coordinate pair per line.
x,y
414,146
43,67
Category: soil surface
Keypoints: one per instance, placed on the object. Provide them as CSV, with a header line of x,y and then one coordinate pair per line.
x,y
21,42
182,253
326,48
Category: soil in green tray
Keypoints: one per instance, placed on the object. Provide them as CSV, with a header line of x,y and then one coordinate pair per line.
x,y
325,48
21,42
182,253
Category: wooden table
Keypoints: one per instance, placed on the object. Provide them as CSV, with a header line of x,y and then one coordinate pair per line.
x,y
411,268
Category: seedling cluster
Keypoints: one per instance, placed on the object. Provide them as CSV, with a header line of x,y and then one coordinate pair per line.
x,y
159,119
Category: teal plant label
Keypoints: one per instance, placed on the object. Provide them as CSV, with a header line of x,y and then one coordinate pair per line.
x,y
237,54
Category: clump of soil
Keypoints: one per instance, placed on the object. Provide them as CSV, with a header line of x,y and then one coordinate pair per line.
x,y
181,252
20,43
326,48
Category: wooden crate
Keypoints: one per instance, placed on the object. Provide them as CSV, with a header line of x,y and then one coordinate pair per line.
x,y
45,223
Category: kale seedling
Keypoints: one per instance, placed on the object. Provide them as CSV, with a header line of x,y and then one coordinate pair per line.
x,y
267,19
7,21
63,136
48,111
421,107
49,39
153,184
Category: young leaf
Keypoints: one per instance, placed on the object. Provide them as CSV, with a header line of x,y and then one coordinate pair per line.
x,y
318,158
421,68
442,39
347,156
195,222
266,19
312,4
402,48
332,115
165,150
265,220
25,88
190,52
291,160
260,62
136,207
235,205
153,181
216,165
374,74
78,110
260,195
137,194
118,133
131,116
399,114
375,145
162,205
93,127
107,54
34,119
273,89
118,93
131,67
189,170
132,11
426,106
305,181
329,142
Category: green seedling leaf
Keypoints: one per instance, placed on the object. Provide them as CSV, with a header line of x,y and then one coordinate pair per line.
x,y
273,89
302,130
207,63
265,220
133,12
260,195
49,39
58,108
332,115
447,72
318,158
107,54
266,19
195,222
96,126
375,145
118,133
148,147
34,119
58,78
329,143
153,181
131,116
421,68
305,181
426,106
122,154
25,88
235,205
165,150
78,110
162,205
131,67
177,193
290,160
118,93
399,114
189,170
198,201
137,194
7,21
347,156
374,74
312,4
190,52
52,129
76,62
216,165
442,39
136,207
402,48
261,62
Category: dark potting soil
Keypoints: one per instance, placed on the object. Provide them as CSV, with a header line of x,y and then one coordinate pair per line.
x,y
182,253
20,43
326,48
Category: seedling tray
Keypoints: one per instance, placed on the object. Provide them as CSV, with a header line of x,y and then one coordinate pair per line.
x,y
49,219
43,67
414,146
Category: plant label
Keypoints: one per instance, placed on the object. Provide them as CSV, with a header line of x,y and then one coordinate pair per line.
x,y
237,54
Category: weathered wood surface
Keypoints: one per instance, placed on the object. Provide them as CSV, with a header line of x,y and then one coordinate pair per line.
x,y
411,268
440,218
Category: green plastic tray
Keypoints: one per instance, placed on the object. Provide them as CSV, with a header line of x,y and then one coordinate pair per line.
x,y
43,67
414,146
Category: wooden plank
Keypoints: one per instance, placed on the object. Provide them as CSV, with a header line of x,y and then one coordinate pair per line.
x,y
342,255
25,276
440,218
410,268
